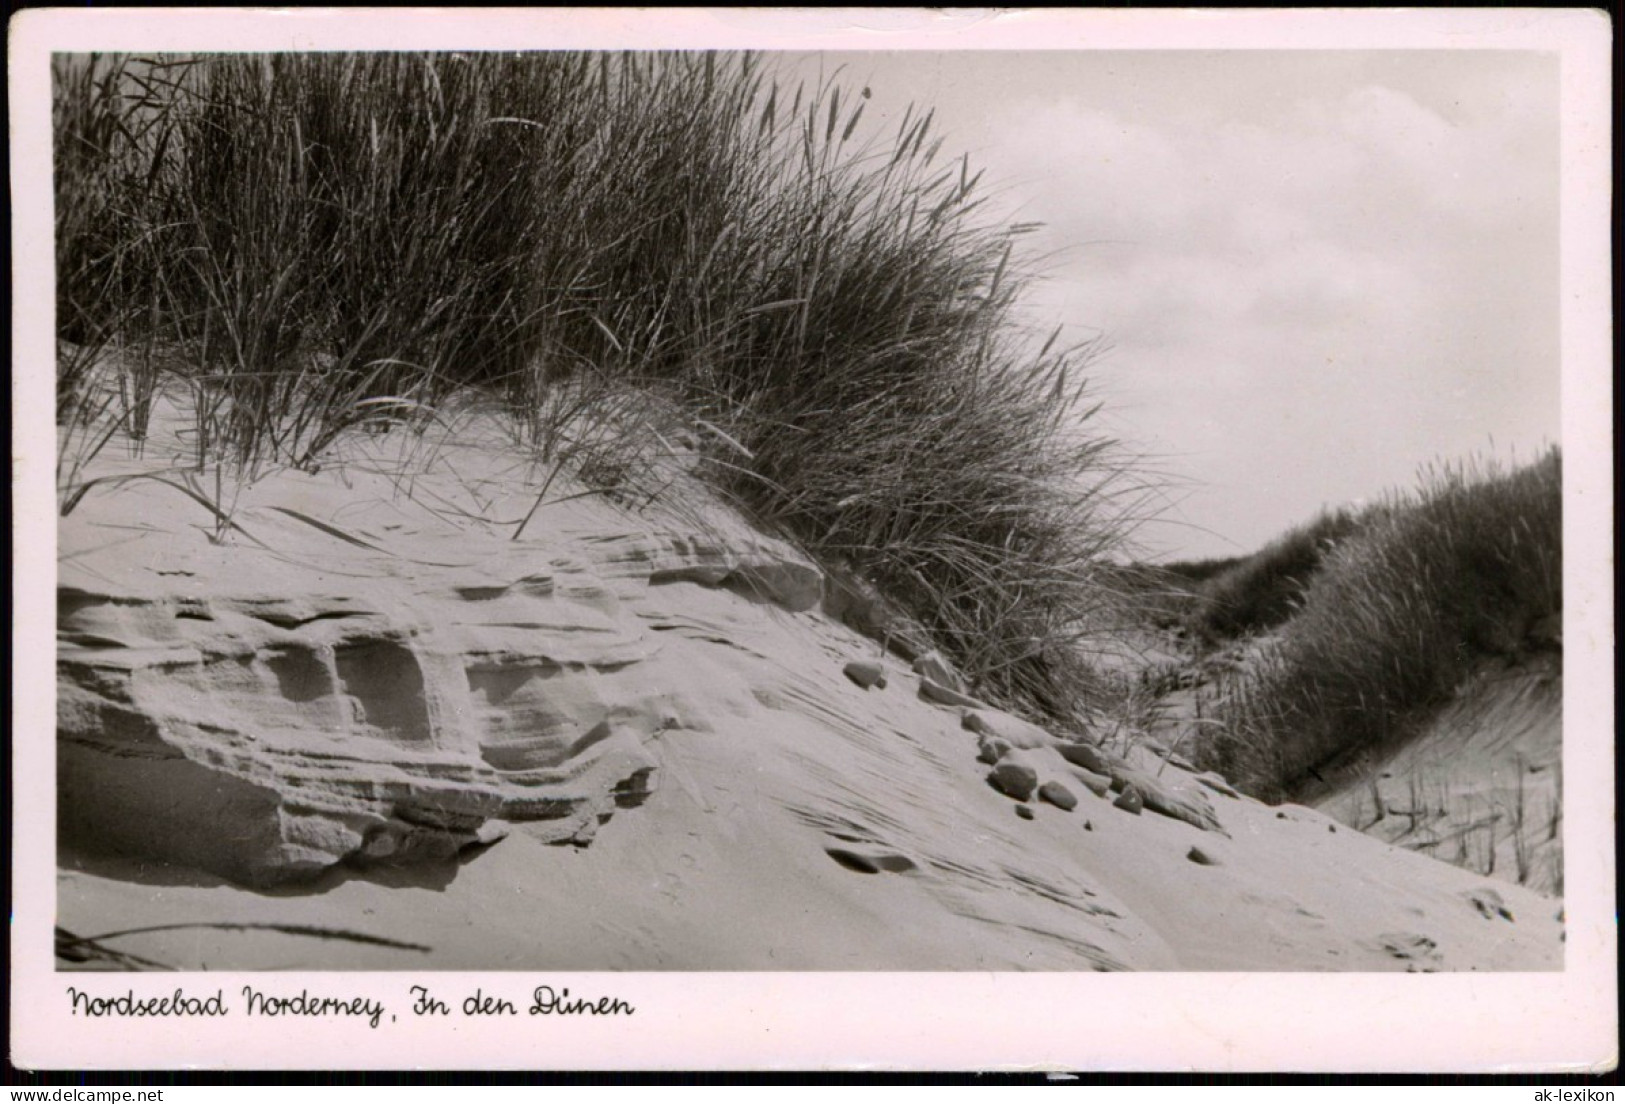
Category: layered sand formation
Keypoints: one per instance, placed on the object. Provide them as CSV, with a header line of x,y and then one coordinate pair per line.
x,y
642,736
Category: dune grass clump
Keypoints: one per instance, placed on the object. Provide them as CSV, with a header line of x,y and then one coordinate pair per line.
x,y
1433,585
306,243
1259,592
1199,571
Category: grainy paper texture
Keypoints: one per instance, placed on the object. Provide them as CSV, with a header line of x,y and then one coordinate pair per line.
x,y
1000,1018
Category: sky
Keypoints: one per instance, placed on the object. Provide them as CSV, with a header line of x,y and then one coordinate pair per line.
x,y
1316,271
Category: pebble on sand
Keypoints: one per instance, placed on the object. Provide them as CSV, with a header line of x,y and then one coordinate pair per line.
x,y
1097,784
1181,802
1129,801
990,749
1025,812
1085,756
931,665
866,673
1058,795
939,694
1012,729
1014,779
1200,857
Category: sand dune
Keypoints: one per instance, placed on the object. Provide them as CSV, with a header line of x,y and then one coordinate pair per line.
x,y
1481,786
629,740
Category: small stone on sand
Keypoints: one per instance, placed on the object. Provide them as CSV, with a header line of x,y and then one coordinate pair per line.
x,y
1058,796
1129,801
939,694
1014,779
1024,812
1008,727
866,673
932,666
1097,784
1085,756
1200,857
990,749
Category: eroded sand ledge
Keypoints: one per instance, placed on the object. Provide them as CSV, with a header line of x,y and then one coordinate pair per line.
x,y
628,741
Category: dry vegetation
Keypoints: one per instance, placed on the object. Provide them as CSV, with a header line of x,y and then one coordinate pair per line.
x,y
616,250
1250,594
1397,618
303,244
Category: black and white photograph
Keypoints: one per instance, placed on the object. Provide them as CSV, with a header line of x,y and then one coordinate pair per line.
x,y
578,510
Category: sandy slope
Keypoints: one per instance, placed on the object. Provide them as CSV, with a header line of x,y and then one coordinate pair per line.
x,y
646,711
1481,785
1478,784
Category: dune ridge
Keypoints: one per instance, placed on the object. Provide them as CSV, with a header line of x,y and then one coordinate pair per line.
x,y
629,740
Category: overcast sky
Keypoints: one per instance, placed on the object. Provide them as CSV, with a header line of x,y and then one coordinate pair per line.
x,y
1317,270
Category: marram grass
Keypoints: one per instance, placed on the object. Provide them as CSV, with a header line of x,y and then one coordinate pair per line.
x,y
309,242
1431,585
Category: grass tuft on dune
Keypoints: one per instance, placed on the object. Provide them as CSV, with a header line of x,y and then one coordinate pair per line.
x,y
1431,585
1258,592
307,243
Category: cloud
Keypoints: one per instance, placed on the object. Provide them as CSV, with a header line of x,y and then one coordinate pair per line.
x,y
1315,301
